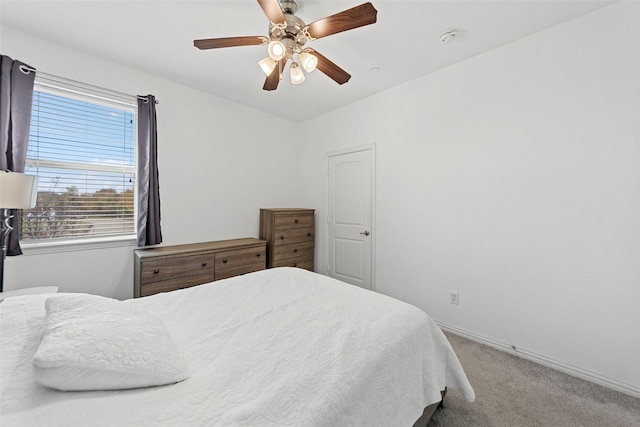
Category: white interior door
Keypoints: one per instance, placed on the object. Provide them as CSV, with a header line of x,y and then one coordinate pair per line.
x,y
350,217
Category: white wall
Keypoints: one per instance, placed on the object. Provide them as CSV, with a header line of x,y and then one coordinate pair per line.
x,y
513,178
215,172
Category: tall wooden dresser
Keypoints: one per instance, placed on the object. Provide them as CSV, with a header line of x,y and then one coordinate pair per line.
x,y
167,268
290,235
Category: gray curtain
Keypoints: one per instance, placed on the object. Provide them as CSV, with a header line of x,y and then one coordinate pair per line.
x,y
149,232
16,94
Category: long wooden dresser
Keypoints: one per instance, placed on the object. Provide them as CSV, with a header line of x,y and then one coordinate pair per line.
x,y
290,233
167,268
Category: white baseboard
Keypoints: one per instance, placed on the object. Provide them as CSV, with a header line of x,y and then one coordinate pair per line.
x,y
546,361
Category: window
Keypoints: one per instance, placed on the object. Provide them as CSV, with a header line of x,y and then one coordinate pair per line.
x,y
82,148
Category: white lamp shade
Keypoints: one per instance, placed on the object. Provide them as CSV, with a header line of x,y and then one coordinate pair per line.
x,y
276,50
268,65
308,61
17,190
297,76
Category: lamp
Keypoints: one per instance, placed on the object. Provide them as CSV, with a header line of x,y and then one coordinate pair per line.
x,y
308,61
268,65
17,191
276,50
297,76
280,48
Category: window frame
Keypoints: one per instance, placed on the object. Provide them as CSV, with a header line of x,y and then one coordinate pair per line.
x,y
104,98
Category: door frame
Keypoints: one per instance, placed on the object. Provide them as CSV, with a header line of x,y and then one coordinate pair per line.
x,y
372,149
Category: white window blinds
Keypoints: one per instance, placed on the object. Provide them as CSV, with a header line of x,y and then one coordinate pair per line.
x,y
82,147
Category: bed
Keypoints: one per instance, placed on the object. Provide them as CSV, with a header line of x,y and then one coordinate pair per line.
x,y
280,347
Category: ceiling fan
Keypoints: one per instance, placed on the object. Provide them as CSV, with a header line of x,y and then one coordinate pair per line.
x,y
287,36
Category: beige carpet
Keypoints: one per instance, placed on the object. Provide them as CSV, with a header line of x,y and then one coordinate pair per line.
x,y
514,392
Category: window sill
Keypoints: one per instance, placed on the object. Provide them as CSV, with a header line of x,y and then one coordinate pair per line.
x,y
77,245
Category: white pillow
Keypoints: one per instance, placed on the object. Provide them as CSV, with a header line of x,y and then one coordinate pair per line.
x,y
98,343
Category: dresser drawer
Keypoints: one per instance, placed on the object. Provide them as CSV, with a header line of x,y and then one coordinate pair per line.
x,y
293,220
162,269
299,250
147,289
240,261
293,235
295,262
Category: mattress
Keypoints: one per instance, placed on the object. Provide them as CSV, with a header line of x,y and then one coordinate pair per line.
x,y
280,347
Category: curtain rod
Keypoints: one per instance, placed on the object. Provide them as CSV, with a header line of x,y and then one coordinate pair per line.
x,y
26,70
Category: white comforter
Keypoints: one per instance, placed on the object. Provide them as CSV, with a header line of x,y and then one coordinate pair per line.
x,y
282,347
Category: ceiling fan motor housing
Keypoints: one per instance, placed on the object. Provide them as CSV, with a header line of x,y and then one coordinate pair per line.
x,y
290,33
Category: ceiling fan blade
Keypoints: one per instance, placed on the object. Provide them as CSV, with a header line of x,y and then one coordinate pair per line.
x,y
327,67
272,80
229,42
273,10
349,19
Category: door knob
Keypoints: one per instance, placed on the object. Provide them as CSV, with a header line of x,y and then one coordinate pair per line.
x,y
365,233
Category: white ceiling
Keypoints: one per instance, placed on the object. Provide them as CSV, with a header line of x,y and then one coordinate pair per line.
x,y
157,37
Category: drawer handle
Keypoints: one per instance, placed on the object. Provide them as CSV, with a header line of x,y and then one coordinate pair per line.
x,y
296,221
204,264
258,254
281,237
308,234
295,250
224,261
156,271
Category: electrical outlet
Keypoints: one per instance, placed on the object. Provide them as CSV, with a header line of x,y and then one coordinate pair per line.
x,y
454,298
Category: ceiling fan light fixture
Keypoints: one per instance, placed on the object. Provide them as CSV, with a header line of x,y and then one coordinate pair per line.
x,y
297,76
276,50
308,61
287,35
268,65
